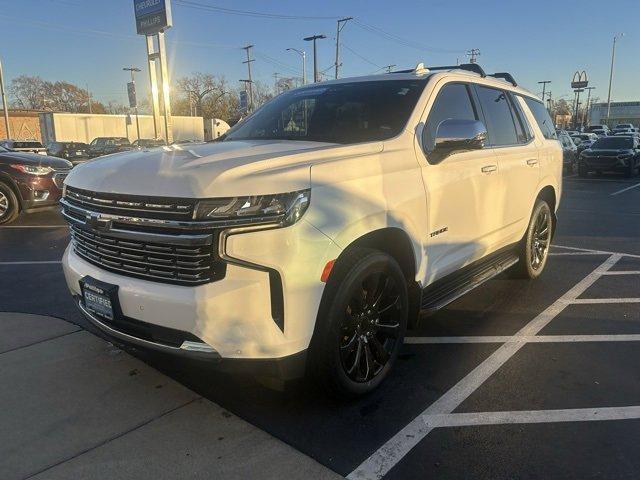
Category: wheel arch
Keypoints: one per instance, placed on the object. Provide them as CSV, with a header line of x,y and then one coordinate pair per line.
x,y
548,194
6,179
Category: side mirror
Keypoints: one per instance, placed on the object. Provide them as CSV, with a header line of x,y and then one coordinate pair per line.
x,y
455,136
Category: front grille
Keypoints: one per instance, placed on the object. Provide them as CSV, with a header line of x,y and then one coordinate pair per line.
x,y
156,261
58,178
160,208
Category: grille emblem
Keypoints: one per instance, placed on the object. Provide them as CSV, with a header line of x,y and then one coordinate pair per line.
x,y
96,222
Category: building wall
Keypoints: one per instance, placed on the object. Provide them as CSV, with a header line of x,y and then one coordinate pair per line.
x,y
621,112
24,125
81,127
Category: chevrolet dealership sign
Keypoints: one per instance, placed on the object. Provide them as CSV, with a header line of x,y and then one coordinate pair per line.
x,y
152,16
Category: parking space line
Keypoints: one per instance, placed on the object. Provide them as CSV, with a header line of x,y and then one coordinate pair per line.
x,y
394,450
532,416
46,262
523,339
558,254
603,252
604,300
34,226
623,272
625,189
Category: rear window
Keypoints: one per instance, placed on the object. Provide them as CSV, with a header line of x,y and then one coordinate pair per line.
x,y
27,145
542,118
615,143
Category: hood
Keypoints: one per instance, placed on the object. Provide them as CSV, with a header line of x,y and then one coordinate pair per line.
x,y
218,169
25,158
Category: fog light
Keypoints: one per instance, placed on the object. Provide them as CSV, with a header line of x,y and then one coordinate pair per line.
x,y
40,195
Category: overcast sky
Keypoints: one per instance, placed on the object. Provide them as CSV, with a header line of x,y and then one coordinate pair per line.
x,y
89,41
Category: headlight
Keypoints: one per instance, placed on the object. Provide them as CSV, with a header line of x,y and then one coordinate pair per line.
x,y
33,170
283,208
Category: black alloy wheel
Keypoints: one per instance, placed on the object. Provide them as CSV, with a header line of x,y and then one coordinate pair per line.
x,y
541,238
370,327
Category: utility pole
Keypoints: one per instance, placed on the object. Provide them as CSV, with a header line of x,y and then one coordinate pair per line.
x,y
544,85
473,55
586,110
90,101
133,70
313,39
248,62
5,107
275,82
613,57
303,54
389,67
341,23
577,112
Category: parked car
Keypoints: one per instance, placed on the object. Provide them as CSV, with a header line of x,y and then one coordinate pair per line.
x,y
28,182
611,154
599,130
107,145
29,146
75,152
148,143
583,146
581,137
623,127
569,152
310,237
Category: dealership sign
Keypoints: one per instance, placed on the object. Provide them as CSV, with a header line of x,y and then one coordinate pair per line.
x,y
579,80
152,16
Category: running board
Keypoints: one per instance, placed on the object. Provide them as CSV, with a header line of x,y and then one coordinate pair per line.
x,y
444,291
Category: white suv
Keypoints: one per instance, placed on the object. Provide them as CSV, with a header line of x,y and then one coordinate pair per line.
x,y
308,239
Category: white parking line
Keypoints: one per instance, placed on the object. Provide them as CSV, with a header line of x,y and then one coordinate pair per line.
x,y
389,454
33,226
623,272
32,263
532,416
559,254
603,252
591,301
523,339
625,189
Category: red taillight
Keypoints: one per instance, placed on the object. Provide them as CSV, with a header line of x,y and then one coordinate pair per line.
x,y
326,271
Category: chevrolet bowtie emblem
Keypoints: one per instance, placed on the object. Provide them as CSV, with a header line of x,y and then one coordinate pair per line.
x,y
96,222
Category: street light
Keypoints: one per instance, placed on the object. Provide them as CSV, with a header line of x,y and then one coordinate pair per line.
x,y
133,70
613,57
313,39
5,107
303,54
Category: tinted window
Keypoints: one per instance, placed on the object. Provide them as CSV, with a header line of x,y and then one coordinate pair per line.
x,y
522,126
27,145
340,113
497,112
542,118
453,101
614,143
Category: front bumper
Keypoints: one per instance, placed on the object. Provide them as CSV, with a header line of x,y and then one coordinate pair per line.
x,y
606,163
234,315
38,191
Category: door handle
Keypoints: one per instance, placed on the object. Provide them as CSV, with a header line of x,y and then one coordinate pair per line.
x,y
532,162
489,168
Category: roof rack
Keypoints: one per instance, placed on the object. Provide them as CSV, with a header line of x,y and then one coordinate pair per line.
x,y
505,76
470,67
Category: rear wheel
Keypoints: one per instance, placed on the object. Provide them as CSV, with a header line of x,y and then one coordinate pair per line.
x,y
631,169
582,169
534,247
361,324
9,206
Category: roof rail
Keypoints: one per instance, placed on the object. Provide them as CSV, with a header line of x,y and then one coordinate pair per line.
x,y
469,67
505,76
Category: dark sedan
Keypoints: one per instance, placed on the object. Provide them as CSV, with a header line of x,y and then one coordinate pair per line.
x,y
29,181
108,145
621,154
75,152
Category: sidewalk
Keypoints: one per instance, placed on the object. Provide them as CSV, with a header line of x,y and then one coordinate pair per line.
x,y
74,406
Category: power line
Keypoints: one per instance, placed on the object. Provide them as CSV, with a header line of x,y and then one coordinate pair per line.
x,y
361,57
473,55
248,13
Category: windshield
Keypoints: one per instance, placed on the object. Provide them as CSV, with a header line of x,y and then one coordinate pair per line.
x,y
614,143
27,145
341,113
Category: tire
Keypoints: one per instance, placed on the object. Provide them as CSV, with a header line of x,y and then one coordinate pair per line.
x,y
355,347
533,250
9,206
631,169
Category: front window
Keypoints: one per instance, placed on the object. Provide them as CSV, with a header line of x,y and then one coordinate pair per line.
x,y
614,143
340,113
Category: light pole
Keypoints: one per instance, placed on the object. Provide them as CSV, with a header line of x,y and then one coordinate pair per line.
x,y
613,58
133,70
341,23
313,39
5,107
303,54
586,110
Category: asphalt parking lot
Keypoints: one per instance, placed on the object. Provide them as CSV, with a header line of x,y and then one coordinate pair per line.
x,y
516,380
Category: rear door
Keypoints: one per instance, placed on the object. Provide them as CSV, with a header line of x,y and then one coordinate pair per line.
x,y
517,155
460,188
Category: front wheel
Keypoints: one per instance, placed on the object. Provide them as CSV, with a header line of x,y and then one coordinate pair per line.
x,y
534,247
9,206
361,323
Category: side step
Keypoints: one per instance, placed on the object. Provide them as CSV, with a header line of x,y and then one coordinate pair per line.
x,y
444,291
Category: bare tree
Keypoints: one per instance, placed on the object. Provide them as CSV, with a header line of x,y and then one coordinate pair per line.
x,y
28,92
38,94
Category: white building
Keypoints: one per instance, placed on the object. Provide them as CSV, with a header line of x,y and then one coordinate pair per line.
x,y
621,112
